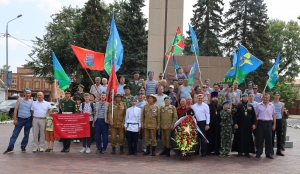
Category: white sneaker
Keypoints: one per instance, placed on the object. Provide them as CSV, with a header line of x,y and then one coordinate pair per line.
x,y
82,150
78,141
41,149
35,149
74,141
88,150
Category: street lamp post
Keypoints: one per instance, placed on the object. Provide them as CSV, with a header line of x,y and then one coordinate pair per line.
x,y
6,68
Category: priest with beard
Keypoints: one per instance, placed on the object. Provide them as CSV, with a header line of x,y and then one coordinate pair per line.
x,y
244,121
213,134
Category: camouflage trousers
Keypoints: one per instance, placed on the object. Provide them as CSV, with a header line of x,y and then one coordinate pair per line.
x,y
226,135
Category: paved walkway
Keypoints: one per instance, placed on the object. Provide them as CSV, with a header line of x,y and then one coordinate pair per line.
x,y
75,162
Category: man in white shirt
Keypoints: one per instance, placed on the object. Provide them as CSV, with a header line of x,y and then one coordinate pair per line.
x,y
40,110
202,115
95,88
132,126
103,86
160,96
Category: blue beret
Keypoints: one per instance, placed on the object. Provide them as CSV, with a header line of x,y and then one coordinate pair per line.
x,y
167,97
150,71
245,95
216,84
250,82
196,87
276,92
135,72
127,87
225,102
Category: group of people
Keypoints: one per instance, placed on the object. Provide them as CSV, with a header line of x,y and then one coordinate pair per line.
x,y
148,109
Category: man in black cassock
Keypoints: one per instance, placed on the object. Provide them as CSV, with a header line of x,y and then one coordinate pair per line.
x,y
244,121
213,133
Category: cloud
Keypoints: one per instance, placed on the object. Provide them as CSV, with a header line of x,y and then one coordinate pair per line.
x,y
4,2
51,6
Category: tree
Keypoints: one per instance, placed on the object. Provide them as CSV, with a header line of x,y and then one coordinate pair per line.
x,y
207,23
286,40
132,31
287,92
246,24
3,69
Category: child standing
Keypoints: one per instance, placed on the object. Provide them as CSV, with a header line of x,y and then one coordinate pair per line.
x,y
87,107
206,94
49,133
180,74
172,95
226,128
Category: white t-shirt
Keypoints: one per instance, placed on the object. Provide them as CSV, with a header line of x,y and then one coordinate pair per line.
x,y
87,109
40,109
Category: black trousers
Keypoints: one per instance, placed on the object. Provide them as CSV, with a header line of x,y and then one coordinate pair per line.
x,y
201,125
264,133
66,143
132,139
278,132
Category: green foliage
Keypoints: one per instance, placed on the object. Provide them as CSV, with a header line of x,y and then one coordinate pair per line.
x,y
207,23
132,31
4,117
246,24
286,40
287,92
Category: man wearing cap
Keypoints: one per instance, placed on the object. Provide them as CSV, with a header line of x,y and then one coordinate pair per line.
x,y
22,118
116,121
133,126
185,90
121,85
207,83
225,129
95,88
67,105
250,88
127,95
150,123
175,84
244,121
213,134
182,108
168,117
279,110
266,122
201,111
79,93
221,96
150,84
135,83
257,96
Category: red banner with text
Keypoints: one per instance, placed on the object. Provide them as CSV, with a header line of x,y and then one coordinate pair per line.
x,y
71,125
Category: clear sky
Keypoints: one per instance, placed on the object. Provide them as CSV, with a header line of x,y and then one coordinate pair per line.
x,y
36,15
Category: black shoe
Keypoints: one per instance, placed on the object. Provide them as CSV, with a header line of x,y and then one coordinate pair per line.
x,y
113,151
227,155
203,155
63,150
147,151
282,148
67,150
270,156
279,153
121,150
23,149
196,153
257,156
153,151
98,151
129,153
168,152
102,151
8,150
239,154
47,150
247,155
135,154
164,152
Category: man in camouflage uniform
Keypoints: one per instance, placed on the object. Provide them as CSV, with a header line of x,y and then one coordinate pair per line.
x,y
126,97
135,83
150,123
168,117
67,105
79,93
116,121
226,129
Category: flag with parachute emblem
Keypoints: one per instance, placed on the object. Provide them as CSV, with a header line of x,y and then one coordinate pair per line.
x,y
273,73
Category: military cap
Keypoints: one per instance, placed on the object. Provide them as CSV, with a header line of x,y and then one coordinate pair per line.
x,y
127,87
140,93
206,80
190,112
175,80
135,72
245,95
153,96
67,92
214,94
167,97
141,87
118,95
204,86
27,90
150,71
225,102
216,84
133,99
276,92
196,87
250,82
80,85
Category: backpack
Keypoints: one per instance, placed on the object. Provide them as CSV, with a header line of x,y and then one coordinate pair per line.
x,y
92,106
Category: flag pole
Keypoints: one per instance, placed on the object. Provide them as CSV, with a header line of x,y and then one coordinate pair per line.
x,y
166,65
112,104
197,62
92,80
266,85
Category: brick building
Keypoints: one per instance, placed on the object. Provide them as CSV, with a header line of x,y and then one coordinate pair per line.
x,y
24,78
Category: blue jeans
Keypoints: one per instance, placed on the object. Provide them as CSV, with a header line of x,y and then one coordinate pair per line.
x,y
101,134
26,123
